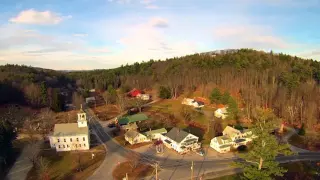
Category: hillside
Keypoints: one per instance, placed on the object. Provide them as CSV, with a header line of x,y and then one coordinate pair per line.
x,y
33,86
289,85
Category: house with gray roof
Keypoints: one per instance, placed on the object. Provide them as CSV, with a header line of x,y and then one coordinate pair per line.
x,y
231,138
181,141
71,136
134,137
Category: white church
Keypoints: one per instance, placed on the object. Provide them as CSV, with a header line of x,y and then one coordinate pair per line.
x,y
71,136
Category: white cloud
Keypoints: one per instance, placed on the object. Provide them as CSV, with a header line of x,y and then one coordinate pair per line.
x,y
249,36
143,42
159,22
32,16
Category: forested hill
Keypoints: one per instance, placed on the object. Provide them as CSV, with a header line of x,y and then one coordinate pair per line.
x,y
289,85
33,86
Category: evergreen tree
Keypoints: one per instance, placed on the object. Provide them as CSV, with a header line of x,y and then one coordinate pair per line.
x,y
43,91
215,96
57,101
259,163
164,92
7,135
232,109
225,97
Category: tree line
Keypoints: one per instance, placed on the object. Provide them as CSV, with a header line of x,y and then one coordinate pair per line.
x,y
288,85
34,87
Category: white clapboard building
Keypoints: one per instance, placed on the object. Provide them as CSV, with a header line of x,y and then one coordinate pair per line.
x,y
71,136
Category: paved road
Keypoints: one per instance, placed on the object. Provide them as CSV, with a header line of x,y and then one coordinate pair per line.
x,y
172,168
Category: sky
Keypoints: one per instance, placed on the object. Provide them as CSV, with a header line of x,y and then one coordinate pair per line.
x,y
104,34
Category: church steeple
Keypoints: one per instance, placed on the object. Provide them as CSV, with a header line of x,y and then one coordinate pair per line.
x,y
82,118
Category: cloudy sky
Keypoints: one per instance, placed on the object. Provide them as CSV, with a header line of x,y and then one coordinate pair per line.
x,y
96,34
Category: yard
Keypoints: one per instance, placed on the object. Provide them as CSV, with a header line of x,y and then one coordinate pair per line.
x,y
106,112
310,141
134,173
66,165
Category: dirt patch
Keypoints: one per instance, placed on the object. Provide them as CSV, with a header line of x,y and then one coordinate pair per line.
x,y
106,112
140,171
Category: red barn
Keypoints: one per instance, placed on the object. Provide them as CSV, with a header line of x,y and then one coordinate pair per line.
x,y
134,92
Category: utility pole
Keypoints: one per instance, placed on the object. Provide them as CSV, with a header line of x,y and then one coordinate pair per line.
x,y
156,171
192,170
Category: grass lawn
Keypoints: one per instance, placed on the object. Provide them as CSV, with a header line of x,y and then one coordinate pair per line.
x,y
64,165
310,141
142,170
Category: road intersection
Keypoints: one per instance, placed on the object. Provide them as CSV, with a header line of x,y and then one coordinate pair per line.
x,y
172,168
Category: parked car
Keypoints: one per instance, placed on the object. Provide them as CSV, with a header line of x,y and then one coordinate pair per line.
x,y
111,125
200,152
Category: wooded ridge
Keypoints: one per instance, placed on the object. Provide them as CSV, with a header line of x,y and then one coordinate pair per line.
x,y
288,85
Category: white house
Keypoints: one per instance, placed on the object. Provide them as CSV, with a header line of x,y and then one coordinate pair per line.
x,y
90,99
134,137
231,138
71,136
221,113
192,102
221,144
180,140
155,134
145,97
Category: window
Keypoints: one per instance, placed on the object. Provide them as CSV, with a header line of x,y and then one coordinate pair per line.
x,y
64,146
78,139
76,145
84,139
67,145
79,145
58,140
64,140
70,139
84,145
59,146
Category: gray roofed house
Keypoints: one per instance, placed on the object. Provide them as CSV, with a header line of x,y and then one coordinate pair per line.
x,y
180,140
134,137
177,134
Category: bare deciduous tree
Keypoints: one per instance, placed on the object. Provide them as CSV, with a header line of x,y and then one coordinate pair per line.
x,y
77,100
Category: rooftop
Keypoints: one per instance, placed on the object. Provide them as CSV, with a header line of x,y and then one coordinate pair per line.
x,y
69,129
177,134
131,134
133,118
156,131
